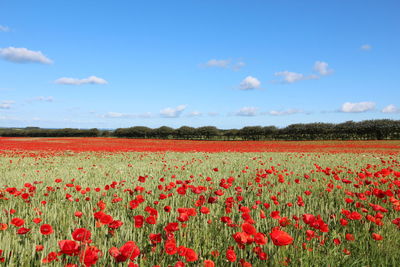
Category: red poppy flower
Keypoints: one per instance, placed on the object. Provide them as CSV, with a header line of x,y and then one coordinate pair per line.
x,y
128,251
204,210
230,255
281,238
170,247
151,220
172,227
190,255
377,237
115,224
3,226
249,229
18,222
181,190
46,229
355,216
308,218
275,215
183,217
241,238
68,247
139,220
52,256
349,237
81,234
37,220
106,219
244,263
208,263
260,239
155,238
23,230
90,256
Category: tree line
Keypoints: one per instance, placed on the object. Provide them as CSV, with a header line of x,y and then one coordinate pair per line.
x,y
350,130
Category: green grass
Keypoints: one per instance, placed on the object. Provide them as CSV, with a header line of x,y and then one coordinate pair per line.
x,y
101,169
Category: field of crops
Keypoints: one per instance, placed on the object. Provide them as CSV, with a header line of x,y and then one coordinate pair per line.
x,y
84,202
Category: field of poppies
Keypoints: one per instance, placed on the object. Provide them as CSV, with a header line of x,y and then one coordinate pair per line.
x,y
110,202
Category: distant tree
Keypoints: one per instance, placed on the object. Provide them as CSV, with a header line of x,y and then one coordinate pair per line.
x,y
230,134
345,131
185,132
270,132
133,132
367,130
105,133
163,132
207,132
251,132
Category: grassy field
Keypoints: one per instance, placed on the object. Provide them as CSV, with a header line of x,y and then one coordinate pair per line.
x,y
230,209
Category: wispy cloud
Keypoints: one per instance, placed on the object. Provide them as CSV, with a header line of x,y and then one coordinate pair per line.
x,y
238,65
247,112
118,115
391,109
322,68
172,112
75,81
358,107
284,112
6,104
292,77
42,99
249,83
213,114
23,55
224,63
366,47
195,114
4,28
219,63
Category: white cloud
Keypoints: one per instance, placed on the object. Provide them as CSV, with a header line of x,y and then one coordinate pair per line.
x,y
172,112
4,28
238,65
284,112
118,115
322,68
220,63
250,83
44,98
247,111
366,47
212,114
195,114
391,109
224,63
23,55
290,77
74,81
357,107
6,104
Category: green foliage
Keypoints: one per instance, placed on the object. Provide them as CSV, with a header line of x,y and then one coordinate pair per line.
x,y
94,170
350,130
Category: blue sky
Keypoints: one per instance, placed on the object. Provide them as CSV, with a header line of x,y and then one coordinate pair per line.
x,y
230,64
